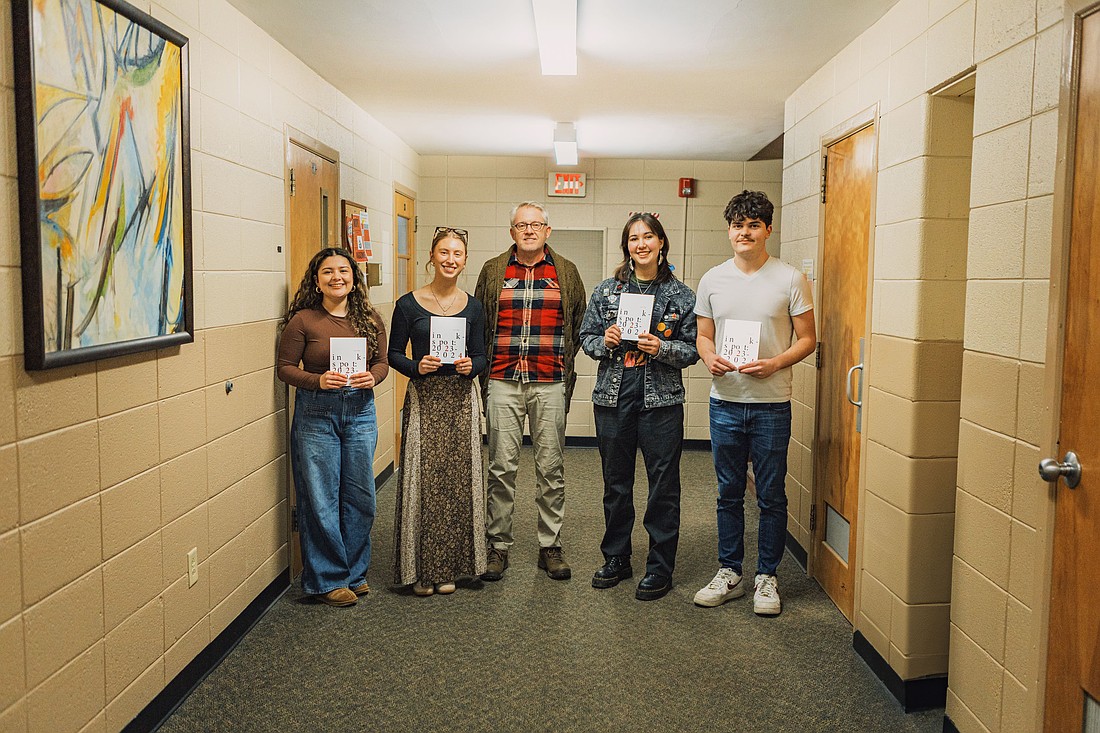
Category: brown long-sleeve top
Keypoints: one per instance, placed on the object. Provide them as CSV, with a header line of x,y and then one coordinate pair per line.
x,y
305,341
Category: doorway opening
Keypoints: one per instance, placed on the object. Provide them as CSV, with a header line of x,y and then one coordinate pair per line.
x,y
312,184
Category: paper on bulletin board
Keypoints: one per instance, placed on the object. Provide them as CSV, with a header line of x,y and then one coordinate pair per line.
x,y
358,225
740,341
448,338
635,313
347,355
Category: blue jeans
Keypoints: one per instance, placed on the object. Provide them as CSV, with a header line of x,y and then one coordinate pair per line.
x,y
760,431
332,445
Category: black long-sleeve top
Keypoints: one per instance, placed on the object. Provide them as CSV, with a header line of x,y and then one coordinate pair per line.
x,y
412,321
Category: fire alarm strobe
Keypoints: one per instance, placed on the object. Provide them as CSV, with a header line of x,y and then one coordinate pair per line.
x,y
687,188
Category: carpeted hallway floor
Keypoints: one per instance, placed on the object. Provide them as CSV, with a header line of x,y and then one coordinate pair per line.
x,y
532,654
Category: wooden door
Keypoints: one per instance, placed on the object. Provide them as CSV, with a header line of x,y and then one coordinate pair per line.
x,y
312,183
1073,646
404,247
841,312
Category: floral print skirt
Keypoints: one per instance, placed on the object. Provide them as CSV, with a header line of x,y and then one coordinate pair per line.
x,y
439,532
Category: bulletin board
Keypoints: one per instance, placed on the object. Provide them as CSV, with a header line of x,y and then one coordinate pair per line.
x,y
356,230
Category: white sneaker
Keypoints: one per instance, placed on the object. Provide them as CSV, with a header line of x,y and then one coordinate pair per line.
x,y
725,586
765,601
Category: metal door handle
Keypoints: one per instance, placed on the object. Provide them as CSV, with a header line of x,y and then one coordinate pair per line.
x,y
1069,469
848,385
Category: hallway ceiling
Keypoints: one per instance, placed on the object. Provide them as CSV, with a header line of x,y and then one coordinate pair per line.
x,y
689,79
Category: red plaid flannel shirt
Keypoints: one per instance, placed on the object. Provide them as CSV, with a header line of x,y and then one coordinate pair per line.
x,y
529,340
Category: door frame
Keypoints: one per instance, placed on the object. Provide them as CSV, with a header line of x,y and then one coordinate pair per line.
x,y
1069,90
293,136
866,118
400,383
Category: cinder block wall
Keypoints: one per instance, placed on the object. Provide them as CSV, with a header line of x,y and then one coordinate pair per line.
x,y
478,193
111,471
985,564
914,384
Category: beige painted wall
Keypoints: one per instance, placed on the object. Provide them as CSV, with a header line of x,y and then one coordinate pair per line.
x,y
111,471
478,193
913,502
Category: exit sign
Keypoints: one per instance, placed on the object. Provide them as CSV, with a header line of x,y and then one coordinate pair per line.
x,y
566,184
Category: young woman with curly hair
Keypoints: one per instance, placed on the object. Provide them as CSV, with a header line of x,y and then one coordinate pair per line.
x,y
334,433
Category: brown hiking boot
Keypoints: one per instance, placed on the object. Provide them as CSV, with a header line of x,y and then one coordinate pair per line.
x,y
497,563
551,560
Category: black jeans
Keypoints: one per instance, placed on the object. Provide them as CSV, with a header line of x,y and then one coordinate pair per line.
x,y
659,432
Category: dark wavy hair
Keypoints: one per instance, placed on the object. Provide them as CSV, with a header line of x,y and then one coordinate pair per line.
x,y
750,205
364,318
624,270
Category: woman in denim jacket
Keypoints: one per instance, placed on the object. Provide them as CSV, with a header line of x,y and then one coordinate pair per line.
x,y
639,403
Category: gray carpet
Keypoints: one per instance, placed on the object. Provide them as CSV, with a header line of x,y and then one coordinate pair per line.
x,y
532,654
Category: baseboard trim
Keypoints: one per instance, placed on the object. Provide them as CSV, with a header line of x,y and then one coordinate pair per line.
x,y
164,704
384,475
797,551
948,726
925,693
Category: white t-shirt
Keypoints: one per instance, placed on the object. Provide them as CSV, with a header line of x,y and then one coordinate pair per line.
x,y
769,296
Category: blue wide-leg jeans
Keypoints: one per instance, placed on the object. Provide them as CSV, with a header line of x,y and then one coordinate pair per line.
x,y
332,443
760,431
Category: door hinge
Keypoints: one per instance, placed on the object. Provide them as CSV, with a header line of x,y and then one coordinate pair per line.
x,y
292,182
824,175
817,356
416,224
813,517
294,519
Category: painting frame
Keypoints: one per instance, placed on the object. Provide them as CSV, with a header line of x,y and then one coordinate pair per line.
x,y
106,259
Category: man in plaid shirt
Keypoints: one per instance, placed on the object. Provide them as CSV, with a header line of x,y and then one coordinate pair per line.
x,y
534,302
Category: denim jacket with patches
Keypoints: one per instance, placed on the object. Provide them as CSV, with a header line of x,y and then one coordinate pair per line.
x,y
673,322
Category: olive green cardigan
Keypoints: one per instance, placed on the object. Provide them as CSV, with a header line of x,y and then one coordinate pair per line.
x,y
574,300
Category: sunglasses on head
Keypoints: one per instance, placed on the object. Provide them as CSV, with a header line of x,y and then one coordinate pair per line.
x,y
460,233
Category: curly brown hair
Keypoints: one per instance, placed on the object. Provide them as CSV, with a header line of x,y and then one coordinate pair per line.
x,y
749,205
364,318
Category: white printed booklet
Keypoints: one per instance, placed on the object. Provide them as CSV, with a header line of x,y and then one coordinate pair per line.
x,y
740,341
448,338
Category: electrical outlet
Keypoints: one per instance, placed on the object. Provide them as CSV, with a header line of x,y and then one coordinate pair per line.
x,y
192,566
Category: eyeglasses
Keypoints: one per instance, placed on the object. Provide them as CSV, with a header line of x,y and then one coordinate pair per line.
x,y
535,226
460,233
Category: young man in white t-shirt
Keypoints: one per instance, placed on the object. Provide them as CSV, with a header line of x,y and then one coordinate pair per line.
x,y
750,400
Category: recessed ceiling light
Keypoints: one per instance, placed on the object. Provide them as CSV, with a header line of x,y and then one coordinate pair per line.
x,y
565,143
556,28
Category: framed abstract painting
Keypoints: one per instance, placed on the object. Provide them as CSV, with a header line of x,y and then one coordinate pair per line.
x,y
103,138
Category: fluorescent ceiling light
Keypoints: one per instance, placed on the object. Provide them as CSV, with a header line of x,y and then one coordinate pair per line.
x,y
565,143
556,28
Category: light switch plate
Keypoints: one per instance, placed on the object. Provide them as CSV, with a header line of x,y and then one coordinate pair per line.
x,y
192,566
